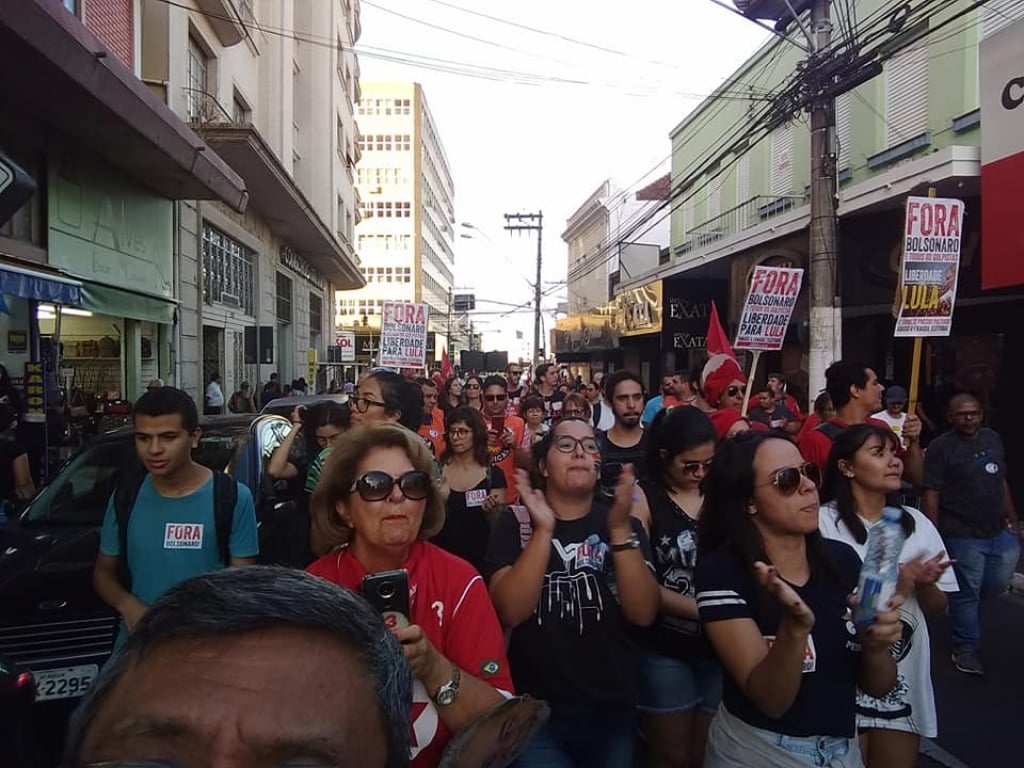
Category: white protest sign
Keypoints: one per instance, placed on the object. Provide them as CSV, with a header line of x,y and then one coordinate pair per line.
x,y
346,341
772,295
931,266
403,335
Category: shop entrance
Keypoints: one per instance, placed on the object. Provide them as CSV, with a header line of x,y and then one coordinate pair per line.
x,y
213,354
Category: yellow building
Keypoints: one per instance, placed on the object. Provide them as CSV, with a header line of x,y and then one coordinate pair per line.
x,y
406,229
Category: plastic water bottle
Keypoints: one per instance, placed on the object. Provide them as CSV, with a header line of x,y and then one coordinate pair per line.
x,y
881,570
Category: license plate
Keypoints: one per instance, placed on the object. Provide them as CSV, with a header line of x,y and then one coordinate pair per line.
x,y
64,682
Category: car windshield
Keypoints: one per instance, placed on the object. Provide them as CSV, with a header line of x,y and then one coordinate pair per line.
x,y
78,495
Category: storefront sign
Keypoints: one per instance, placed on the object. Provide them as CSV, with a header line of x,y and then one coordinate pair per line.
x,y
771,297
931,266
403,342
638,310
105,228
17,342
301,267
585,333
35,390
346,342
687,309
1002,155
311,365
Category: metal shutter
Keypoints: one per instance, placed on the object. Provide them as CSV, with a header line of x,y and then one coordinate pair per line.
x,y
906,95
844,132
782,161
999,14
714,199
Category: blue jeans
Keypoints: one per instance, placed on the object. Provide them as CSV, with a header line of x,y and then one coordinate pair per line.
x,y
984,568
597,737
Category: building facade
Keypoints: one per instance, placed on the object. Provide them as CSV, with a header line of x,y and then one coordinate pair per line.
x,y
256,288
405,235
917,125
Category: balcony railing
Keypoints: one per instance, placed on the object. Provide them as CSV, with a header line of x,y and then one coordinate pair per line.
x,y
204,110
747,215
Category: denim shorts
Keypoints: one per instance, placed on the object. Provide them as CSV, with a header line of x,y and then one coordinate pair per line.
x,y
811,750
670,685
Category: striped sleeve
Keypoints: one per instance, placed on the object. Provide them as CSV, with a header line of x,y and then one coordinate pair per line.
x,y
723,588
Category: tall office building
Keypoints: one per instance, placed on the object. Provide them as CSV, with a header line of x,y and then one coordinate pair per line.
x,y
405,233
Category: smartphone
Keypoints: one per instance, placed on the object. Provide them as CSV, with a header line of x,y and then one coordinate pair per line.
x,y
388,592
498,425
610,471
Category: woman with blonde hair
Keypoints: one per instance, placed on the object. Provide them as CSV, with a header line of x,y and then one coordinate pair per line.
x,y
376,505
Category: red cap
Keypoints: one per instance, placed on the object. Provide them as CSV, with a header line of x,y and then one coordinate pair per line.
x,y
719,372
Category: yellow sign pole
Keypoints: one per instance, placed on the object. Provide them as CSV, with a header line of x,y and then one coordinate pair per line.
x,y
915,361
750,382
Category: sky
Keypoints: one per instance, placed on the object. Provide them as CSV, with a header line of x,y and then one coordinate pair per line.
x,y
545,121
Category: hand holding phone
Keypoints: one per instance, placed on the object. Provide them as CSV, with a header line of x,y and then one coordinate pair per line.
x,y
388,592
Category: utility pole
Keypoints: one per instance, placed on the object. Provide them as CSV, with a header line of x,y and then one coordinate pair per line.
x,y
826,318
536,224
448,332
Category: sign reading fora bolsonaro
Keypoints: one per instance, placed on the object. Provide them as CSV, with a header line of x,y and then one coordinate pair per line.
x,y
771,298
931,266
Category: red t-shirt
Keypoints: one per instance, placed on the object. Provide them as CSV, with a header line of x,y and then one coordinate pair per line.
x,y
434,432
449,600
815,445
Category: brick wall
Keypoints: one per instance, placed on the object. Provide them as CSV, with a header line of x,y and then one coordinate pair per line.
x,y
113,23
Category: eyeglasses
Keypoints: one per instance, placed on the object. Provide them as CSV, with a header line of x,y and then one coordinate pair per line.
x,y
691,467
362,404
377,485
495,398
568,443
459,433
733,390
787,479
515,373
967,415
472,386
572,412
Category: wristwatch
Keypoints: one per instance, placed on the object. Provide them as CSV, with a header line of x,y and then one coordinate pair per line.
x,y
446,693
633,542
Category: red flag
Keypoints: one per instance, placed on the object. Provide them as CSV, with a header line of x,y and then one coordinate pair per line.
x,y
718,341
446,366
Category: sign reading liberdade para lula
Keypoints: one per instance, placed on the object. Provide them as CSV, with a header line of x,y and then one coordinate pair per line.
x,y
931,266
769,305
403,335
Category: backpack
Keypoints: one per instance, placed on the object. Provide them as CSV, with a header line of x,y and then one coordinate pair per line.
x,y
225,497
829,429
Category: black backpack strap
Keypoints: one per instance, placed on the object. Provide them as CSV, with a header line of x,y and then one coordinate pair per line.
x,y
829,429
225,499
125,494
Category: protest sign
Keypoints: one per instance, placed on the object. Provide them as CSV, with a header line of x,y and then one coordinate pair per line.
x,y
772,295
931,266
403,335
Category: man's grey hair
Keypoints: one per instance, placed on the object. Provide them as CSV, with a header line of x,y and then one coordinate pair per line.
x,y
237,601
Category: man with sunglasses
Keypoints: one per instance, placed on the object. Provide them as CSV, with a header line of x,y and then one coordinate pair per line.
x,y
504,433
968,498
516,389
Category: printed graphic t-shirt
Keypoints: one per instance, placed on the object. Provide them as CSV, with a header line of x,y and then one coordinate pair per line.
x,y
825,703
466,528
910,706
575,648
448,599
503,457
172,539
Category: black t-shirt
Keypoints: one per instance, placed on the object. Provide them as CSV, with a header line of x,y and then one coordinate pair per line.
x,y
674,547
775,420
9,451
969,476
825,703
575,649
617,454
466,530
552,406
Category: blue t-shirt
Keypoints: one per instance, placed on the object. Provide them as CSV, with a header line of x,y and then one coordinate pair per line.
x,y
651,409
172,539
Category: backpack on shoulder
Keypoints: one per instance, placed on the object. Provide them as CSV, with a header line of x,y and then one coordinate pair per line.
x,y
225,497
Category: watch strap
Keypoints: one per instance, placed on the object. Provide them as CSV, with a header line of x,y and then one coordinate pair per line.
x,y
633,542
446,693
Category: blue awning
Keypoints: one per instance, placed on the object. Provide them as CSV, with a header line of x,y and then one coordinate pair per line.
x,y
28,284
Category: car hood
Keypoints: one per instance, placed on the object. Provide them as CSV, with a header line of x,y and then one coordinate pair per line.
x,y
25,549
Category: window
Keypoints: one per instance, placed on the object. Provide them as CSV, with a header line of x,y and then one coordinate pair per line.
x,y
240,112
340,223
386,209
197,79
906,95
316,319
844,133
228,271
782,160
71,5
342,143
284,298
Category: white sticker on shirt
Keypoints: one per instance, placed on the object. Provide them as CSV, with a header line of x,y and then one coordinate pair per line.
x,y
183,536
476,498
810,653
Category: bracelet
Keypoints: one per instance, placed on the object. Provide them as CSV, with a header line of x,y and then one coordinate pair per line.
x,y
633,542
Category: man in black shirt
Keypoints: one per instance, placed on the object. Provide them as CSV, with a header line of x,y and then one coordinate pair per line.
x,y
546,385
624,443
967,497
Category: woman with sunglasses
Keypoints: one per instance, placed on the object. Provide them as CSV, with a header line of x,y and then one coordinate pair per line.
x,y
477,489
378,503
474,392
723,383
680,679
567,584
774,599
862,477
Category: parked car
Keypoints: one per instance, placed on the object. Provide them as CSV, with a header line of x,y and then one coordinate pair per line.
x,y
53,623
283,406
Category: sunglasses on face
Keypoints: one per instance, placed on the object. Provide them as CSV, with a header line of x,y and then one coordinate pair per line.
x,y
787,479
691,467
515,373
377,485
362,404
568,443
495,398
733,391
472,386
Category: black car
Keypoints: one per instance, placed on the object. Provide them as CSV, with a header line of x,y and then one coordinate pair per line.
x,y
52,621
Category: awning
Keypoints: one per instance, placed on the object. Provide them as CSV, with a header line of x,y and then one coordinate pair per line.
x,y
114,302
54,69
29,284
278,200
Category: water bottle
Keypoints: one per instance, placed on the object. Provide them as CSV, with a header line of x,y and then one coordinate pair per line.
x,y
881,570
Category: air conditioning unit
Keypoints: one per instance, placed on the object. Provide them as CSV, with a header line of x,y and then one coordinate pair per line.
x,y
230,298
